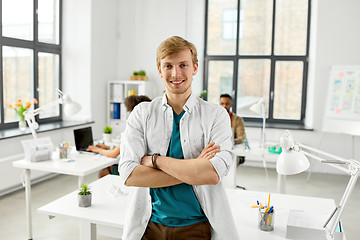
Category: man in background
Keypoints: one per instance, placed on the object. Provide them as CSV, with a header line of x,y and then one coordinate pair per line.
x,y
237,123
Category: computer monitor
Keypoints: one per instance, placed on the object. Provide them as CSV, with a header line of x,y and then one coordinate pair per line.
x,y
83,138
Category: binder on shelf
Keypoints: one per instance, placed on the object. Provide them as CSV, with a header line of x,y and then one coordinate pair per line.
x,y
116,110
123,114
117,92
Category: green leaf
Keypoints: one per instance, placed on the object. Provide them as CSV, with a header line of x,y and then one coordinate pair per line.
x,y
108,129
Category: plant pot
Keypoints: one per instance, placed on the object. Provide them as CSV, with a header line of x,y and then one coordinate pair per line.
x,y
84,200
107,138
139,77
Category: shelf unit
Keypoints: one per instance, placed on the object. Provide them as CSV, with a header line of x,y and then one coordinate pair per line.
x,y
117,91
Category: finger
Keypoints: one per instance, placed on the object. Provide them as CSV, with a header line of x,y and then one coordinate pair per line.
x,y
210,145
209,155
214,148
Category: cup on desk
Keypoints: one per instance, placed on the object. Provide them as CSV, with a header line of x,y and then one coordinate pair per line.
x,y
266,220
63,153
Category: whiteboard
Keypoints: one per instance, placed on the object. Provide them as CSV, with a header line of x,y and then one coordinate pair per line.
x,y
342,112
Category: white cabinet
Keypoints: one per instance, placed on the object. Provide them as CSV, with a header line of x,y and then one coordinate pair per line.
x,y
116,112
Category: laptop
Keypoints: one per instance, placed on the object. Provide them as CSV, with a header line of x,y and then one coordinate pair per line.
x,y
83,138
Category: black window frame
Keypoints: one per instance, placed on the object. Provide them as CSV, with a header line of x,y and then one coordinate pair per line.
x,y
270,120
37,47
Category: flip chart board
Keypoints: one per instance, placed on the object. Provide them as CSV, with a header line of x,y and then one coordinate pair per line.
x,y
342,112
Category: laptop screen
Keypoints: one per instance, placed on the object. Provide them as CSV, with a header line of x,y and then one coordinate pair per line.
x,y
83,138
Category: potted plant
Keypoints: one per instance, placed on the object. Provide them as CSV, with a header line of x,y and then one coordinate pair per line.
x,y
139,75
107,134
84,196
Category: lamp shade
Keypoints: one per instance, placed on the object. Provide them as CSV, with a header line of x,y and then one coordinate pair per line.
x,y
257,107
71,108
292,162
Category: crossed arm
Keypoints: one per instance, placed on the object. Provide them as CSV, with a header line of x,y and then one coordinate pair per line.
x,y
171,171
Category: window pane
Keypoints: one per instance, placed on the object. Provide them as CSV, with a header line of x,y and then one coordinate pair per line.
x,y
48,20
291,27
48,82
17,19
253,84
221,36
255,27
229,24
17,77
288,89
220,79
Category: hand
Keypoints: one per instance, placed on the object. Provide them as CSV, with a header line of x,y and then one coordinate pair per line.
x,y
93,149
209,151
146,161
103,146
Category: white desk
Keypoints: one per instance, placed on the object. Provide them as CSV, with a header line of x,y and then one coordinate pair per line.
x,y
108,210
256,154
82,165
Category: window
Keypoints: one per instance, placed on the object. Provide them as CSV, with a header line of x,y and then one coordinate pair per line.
x,y
229,24
258,49
30,51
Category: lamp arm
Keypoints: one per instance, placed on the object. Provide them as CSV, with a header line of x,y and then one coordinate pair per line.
x,y
353,170
30,119
323,153
47,106
334,159
339,209
30,114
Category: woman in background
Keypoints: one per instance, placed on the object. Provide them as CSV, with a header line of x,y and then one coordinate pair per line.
x,y
130,103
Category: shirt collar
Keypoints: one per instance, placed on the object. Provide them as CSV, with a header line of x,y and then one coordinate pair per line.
x,y
188,107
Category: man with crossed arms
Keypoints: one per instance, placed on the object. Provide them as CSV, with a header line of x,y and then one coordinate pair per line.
x,y
175,151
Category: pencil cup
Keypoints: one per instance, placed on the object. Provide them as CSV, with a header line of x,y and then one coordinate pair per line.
x,y
266,220
63,152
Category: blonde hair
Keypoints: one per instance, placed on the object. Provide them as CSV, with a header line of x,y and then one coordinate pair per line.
x,y
173,45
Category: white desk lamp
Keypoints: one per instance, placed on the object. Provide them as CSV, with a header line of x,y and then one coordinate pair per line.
x,y
293,160
70,108
260,109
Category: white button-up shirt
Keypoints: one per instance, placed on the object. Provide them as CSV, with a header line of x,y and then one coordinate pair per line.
x,y
148,130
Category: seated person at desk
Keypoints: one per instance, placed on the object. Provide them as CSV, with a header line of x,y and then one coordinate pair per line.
x,y
237,123
130,103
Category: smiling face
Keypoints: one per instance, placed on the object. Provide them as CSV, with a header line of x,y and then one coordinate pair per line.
x,y
177,71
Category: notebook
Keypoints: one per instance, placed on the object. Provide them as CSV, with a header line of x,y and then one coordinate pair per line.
x,y
83,138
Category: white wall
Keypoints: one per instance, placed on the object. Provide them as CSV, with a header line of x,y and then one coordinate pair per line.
x,y
76,54
337,41
143,25
103,58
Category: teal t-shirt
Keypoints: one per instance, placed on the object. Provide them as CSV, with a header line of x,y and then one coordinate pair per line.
x,y
177,205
